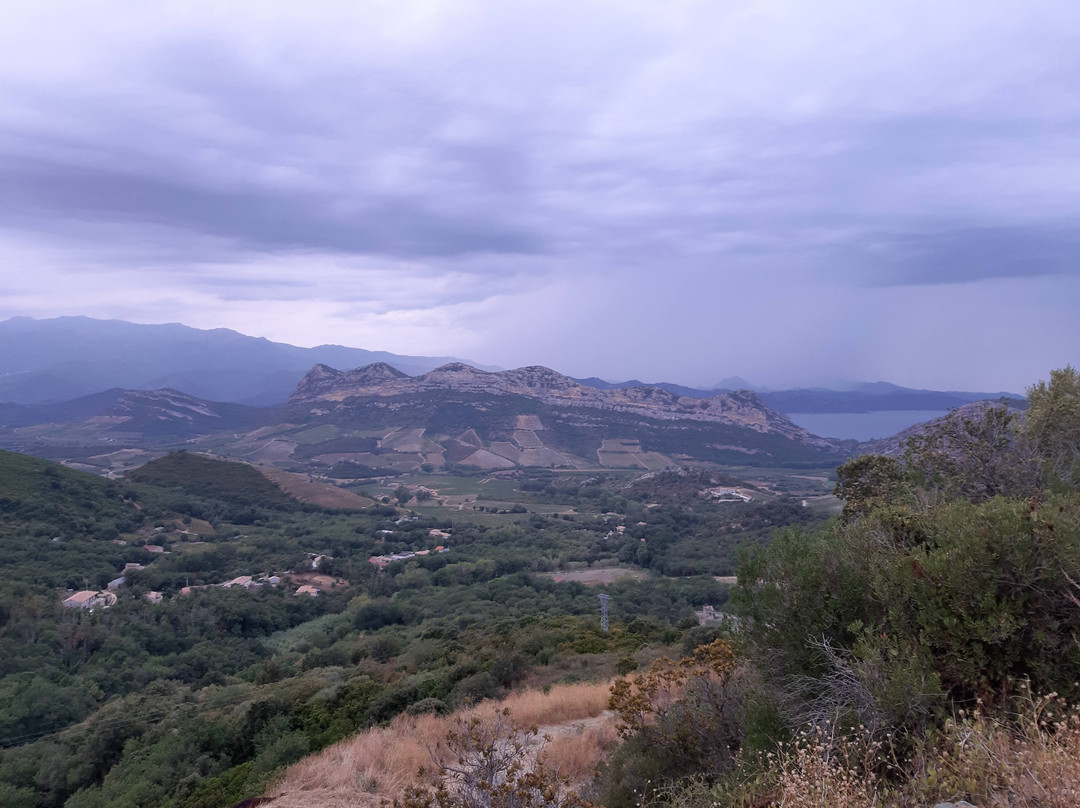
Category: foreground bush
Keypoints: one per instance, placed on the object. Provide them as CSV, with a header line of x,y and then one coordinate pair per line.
x,y
677,718
1028,759
890,620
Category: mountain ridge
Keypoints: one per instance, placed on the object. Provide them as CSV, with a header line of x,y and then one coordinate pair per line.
x,y
742,408
535,416
63,358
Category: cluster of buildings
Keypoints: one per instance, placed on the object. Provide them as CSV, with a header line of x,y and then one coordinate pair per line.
x,y
726,494
380,561
249,582
89,600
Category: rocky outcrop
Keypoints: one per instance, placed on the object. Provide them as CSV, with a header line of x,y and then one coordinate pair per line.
x,y
324,388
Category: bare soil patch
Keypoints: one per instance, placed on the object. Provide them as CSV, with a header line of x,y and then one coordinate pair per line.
x,y
271,452
654,461
595,577
406,440
543,457
484,459
621,445
620,460
317,579
505,449
527,439
529,422
317,493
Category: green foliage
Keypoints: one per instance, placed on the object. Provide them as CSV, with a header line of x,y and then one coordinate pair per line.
x,y
868,482
952,580
199,699
40,500
678,719
975,456
236,492
883,618
1052,423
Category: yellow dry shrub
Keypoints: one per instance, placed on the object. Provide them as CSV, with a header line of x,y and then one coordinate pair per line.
x,y
573,755
380,763
1030,759
816,772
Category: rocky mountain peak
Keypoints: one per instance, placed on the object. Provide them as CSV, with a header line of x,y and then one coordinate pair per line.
x,y
318,380
324,390
376,372
539,377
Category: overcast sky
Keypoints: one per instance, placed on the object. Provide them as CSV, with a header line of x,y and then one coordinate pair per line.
x,y
795,192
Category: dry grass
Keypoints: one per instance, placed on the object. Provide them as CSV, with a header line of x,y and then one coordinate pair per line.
x,y
318,493
1032,761
573,755
817,773
378,764
559,705
1028,760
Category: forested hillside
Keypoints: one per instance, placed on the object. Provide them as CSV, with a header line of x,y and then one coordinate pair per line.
x,y
918,647
191,691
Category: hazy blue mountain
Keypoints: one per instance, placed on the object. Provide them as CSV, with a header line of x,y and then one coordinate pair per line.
x,y
64,358
735,383
136,413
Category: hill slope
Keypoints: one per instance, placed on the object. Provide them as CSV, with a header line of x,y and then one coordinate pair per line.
x,y
67,357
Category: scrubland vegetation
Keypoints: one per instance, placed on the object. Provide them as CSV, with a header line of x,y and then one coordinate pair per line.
x,y
922,646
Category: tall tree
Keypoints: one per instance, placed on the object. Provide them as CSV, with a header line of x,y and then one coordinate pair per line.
x,y
1053,423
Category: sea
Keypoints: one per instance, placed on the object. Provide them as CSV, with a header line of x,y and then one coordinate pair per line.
x,y
862,425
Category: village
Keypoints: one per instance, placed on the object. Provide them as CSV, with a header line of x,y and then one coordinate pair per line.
x,y
380,561
311,585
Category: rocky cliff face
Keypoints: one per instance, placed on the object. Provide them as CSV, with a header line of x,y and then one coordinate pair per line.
x,y
324,389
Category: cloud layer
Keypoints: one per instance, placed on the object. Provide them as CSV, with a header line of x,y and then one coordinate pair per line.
x,y
792,192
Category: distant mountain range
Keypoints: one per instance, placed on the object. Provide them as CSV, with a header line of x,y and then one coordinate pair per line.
x,y
536,417
56,360
378,421
143,413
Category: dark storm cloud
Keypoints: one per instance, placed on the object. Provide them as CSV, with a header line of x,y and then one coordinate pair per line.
x,y
971,255
428,172
264,219
325,160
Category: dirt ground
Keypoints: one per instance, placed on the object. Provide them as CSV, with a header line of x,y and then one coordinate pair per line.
x,y
317,579
594,577
317,493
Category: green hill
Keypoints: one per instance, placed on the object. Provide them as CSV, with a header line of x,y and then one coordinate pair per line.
x,y
207,478
42,498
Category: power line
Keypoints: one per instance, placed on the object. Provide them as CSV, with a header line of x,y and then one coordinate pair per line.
x,y
603,611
